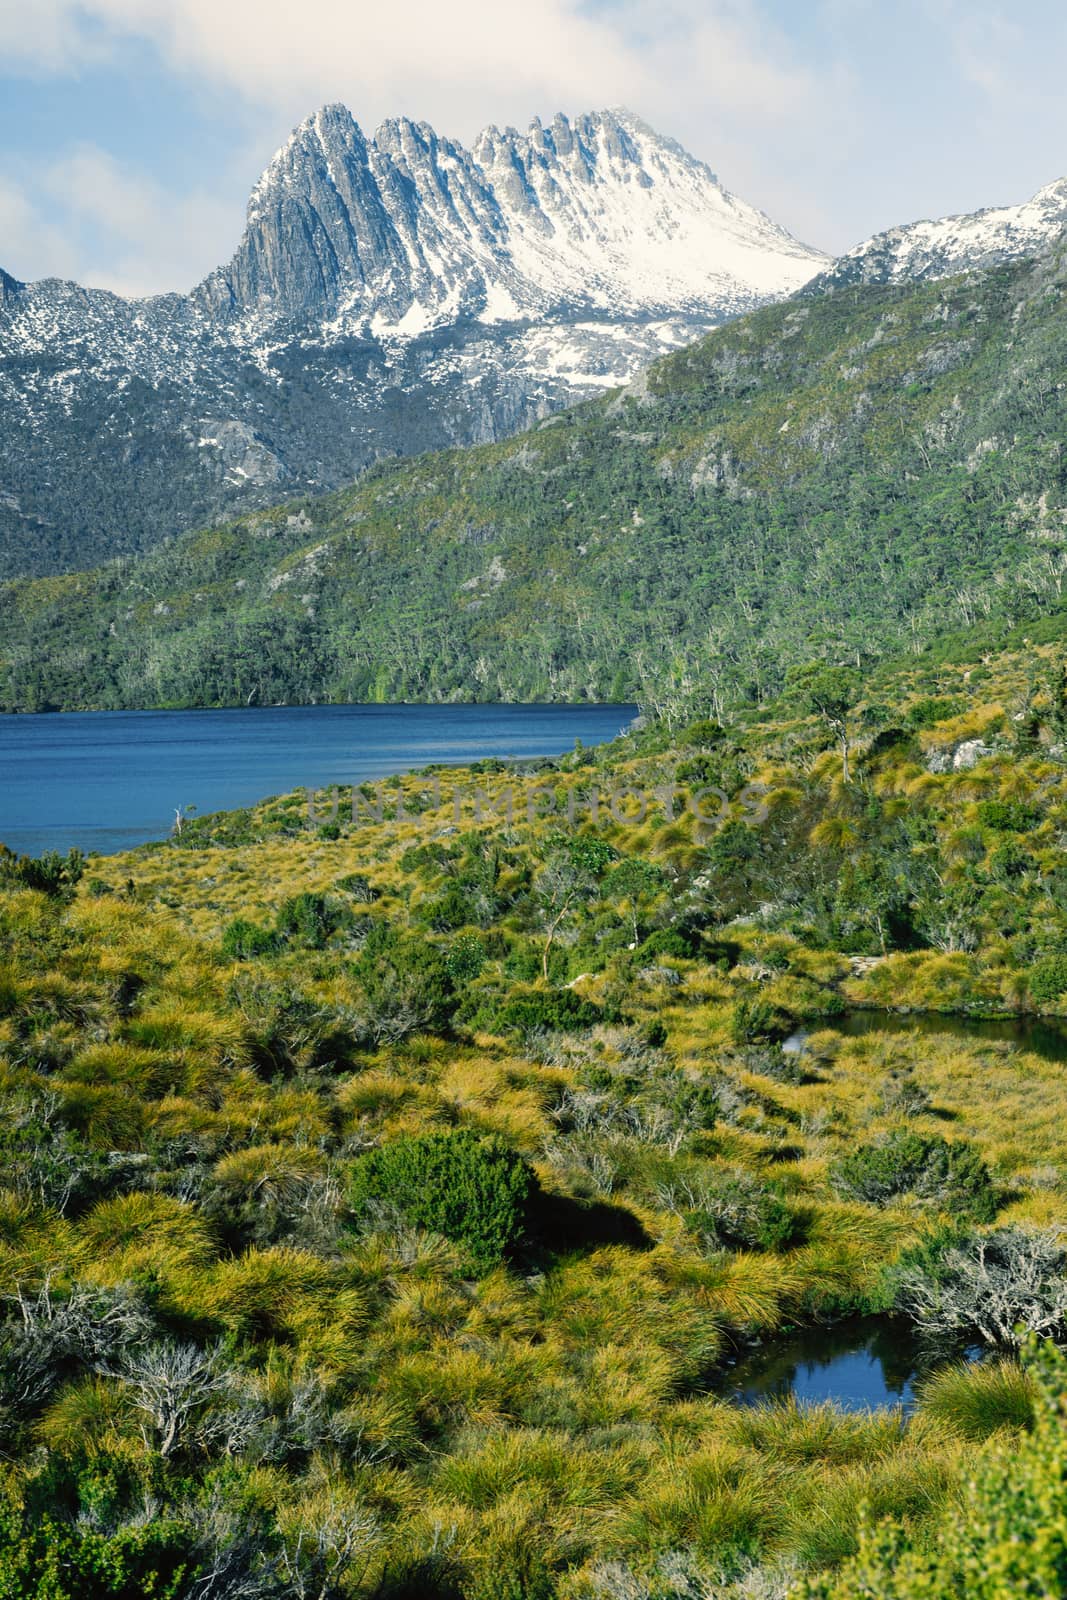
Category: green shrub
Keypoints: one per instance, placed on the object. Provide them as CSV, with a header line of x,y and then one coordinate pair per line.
x,y
952,1175
451,909
1048,979
1007,816
466,957
242,940
51,874
702,734
548,1011
924,713
407,985
476,1192
44,1555
309,919
670,942
754,1019
733,1211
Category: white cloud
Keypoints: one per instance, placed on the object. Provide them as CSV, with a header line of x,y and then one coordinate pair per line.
x,y
46,36
31,238
85,217
459,65
442,62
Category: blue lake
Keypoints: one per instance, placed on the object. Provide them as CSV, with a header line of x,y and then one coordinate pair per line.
x,y
108,780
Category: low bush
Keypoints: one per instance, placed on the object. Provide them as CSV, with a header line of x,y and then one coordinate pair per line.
x,y
51,874
734,1211
1048,979
952,1175
674,943
476,1192
407,985
548,1011
925,713
243,940
466,957
1007,816
309,919
755,1020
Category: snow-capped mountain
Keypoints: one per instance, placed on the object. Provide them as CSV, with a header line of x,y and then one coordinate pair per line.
x,y
409,230
389,295
954,244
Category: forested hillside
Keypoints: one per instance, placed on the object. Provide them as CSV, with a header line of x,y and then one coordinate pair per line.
x,y
385,1203
842,475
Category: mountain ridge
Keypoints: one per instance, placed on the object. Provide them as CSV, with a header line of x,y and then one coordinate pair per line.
x,y
936,248
842,475
508,198
384,298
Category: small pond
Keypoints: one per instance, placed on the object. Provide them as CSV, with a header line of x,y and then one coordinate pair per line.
x,y
862,1364
1044,1036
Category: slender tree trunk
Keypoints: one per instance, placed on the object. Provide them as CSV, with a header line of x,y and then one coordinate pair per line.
x,y
552,934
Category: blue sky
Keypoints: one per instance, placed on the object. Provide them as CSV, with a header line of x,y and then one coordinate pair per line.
x,y
132,130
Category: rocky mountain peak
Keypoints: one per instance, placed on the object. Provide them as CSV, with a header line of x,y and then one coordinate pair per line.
x,y
410,229
939,248
390,294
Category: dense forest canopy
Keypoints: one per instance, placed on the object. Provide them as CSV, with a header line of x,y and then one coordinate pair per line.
x,y
844,475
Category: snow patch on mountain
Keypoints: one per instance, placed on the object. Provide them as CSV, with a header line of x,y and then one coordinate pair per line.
x,y
937,249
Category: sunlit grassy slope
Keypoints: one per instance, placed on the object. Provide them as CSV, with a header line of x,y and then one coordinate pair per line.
x,y
201,1041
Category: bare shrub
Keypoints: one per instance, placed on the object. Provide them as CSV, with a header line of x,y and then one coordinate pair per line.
x,y
999,1286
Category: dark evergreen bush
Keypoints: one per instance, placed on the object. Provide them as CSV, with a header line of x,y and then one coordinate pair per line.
x,y
242,940
670,942
548,1011
476,1192
755,1019
734,1211
51,874
309,918
407,985
1007,816
1048,979
952,1175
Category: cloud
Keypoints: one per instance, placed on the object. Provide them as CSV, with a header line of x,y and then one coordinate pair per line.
x,y
47,36
86,217
988,49
431,59
459,65
31,238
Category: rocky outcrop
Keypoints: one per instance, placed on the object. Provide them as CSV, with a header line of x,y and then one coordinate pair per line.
x,y
959,757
